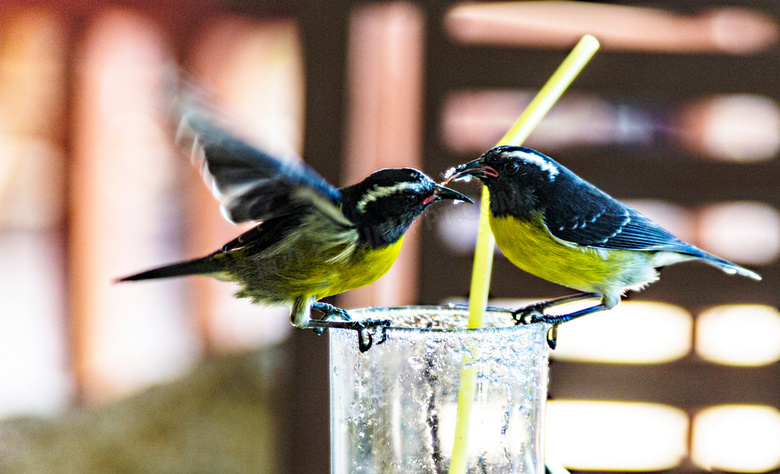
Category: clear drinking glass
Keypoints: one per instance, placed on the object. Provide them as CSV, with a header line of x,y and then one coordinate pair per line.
x,y
393,408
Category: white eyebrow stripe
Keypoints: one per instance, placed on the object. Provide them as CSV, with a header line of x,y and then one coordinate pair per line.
x,y
537,160
382,191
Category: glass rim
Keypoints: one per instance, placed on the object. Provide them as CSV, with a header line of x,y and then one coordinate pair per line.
x,y
446,308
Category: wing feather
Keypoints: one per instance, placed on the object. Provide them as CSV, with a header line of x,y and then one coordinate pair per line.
x,y
252,185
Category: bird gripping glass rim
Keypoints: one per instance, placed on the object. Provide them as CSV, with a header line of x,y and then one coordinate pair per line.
x,y
553,224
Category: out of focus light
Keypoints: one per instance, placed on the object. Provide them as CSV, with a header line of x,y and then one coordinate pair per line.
x,y
457,226
256,69
741,128
474,120
737,127
33,340
24,161
616,435
737,438
628,28
746,232
739,335
632,332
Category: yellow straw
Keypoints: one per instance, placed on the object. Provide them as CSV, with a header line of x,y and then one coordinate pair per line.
x,y
483,255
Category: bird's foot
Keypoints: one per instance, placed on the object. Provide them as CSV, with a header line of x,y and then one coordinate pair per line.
x,y
535,314
367,331
529,314
331,313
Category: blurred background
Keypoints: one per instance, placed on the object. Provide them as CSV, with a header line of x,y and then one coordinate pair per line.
x,y
678,114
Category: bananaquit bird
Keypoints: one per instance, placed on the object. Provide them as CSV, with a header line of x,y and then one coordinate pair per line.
x,y
314,240
553,224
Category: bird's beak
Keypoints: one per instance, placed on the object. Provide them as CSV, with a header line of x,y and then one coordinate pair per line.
x,y
476,169
446,193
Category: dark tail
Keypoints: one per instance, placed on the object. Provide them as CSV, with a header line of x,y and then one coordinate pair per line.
x,y
191,267
729,267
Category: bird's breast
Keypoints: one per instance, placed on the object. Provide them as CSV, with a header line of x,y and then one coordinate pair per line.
x,y
363,267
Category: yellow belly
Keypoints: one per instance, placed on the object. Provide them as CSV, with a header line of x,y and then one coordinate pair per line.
x,y
530,246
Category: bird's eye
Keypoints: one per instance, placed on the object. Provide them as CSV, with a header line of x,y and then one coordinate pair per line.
x,y
411,198
512,167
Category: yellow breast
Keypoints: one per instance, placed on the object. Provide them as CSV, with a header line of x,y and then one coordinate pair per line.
x,y
530,246
365,266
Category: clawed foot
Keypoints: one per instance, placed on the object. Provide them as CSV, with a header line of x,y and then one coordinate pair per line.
x,y
365,329
339,318
530,314
332,313
535,314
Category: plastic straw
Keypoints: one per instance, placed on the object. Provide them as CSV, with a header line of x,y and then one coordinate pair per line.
x,y
483,255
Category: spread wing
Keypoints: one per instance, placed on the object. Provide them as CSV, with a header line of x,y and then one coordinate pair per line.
x,y
594,219
250,184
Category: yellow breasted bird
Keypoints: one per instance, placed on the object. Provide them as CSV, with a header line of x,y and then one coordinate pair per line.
x,y
553,224
314,240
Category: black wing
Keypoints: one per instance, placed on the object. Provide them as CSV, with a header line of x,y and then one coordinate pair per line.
x,y
252,185
588,216
266,234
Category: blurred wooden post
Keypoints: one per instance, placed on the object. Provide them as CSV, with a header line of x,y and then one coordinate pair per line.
x,y
385,67
124,203
33,341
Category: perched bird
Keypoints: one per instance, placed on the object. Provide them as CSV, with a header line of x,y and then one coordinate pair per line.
x,y
314,240
555,225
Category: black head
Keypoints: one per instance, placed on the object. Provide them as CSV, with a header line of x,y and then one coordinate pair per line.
x,y
386,203
515,177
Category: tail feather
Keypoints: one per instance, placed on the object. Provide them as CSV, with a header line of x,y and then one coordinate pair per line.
x,y
197,266
729,267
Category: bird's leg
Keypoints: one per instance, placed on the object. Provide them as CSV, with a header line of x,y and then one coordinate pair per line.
x,y
364,329
331,312
534,313
562,318
300,312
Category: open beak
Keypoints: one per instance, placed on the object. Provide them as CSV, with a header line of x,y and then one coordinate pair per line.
x,y
446,193
476,169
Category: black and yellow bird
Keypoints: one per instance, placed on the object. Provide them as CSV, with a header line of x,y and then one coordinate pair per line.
x,y
553,224
314,240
